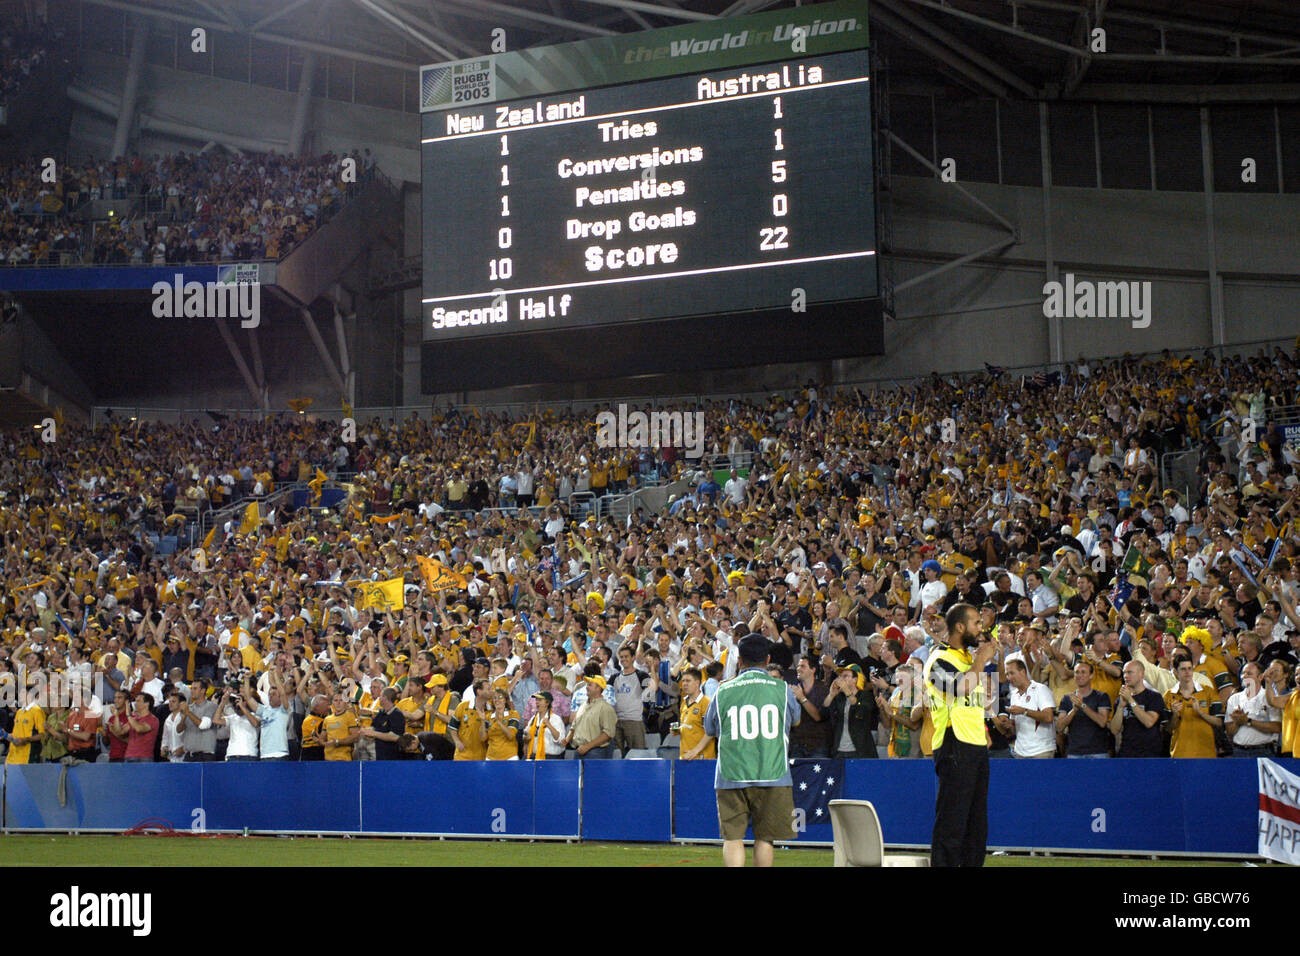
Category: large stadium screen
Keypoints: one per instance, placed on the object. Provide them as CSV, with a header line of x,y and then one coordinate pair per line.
x,y
729,171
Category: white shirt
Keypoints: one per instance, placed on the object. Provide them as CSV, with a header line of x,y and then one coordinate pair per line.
x,y
171,737
243,736
554,744
1033,738
734,489
1255,708
932,592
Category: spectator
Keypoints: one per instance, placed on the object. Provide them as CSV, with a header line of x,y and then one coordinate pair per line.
x,y
173,729
811,737
387,726
1085,714
695,743
595,723
1253,724
851,710
199,734
545,730
469,726
630,686
28,730
1030,713
903,710
339,729
237,713
144,730
1194,714
503,727
1139,717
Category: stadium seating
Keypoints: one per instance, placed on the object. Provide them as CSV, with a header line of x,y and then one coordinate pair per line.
x,y
845,497
184,208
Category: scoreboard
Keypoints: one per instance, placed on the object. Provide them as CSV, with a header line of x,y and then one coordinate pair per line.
x,y
688,173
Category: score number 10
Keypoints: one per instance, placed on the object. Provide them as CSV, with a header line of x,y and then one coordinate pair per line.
x,y
776,237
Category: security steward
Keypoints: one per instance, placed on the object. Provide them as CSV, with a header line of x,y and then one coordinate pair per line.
x,y
953,677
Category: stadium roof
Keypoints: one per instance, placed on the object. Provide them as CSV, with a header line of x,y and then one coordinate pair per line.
x,y
1156,50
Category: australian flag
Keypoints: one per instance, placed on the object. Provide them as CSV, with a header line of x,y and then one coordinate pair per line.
x,y
817,781
1122,591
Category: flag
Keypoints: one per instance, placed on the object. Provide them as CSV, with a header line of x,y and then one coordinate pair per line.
x,y
1272,555
252,518
816,782
1279,813
1236,559
207,541
1122,591
528,625
381,595
437,576
1136,564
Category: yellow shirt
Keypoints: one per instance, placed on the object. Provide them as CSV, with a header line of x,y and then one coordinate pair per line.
x,y
467,724
339,727
366,703
1290,722
252,659
1194,737
1104,682
1217,671
692,728
407,705
446,707
28,722
310,724
501,740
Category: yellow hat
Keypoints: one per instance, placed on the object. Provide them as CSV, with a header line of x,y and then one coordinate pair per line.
x,y
597,680
437,680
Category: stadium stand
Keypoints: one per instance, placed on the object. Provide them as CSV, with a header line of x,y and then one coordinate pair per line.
x,y
266,568
184,208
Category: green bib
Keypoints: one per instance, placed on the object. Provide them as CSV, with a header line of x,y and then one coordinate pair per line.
x,y
753,739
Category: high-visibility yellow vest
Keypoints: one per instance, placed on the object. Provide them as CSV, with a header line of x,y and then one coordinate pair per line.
x,y
965,713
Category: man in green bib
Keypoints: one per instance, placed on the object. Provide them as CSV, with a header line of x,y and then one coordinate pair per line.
x,y
751,716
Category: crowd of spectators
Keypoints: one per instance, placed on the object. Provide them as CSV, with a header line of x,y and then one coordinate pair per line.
x,y
192,207
847,527
23,50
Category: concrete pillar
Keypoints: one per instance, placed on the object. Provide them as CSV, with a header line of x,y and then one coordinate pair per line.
x,y
131,90
302,108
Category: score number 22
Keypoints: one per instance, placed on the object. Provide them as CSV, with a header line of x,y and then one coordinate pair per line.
x,y
776,237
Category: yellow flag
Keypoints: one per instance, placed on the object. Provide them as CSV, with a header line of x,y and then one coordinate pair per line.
x,y
386,519
252,518
207,540
382,595
438,577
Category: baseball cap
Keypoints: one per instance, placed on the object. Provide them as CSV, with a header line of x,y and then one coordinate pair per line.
x,y
437,680
545,695
597,680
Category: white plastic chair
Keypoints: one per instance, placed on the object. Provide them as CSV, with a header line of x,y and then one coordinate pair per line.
x,y
858,840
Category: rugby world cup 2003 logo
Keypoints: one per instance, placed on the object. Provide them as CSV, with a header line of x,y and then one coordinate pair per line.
x,y
457,84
